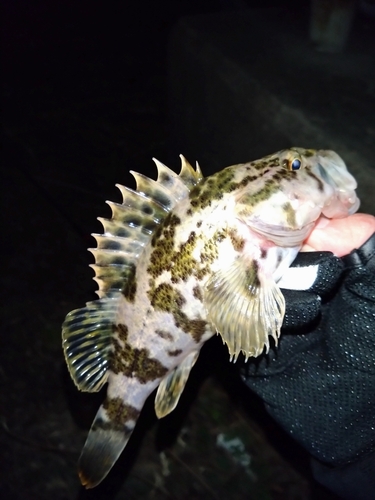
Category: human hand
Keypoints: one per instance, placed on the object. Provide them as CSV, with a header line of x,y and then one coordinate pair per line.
x,y
319,384
331,236
340,236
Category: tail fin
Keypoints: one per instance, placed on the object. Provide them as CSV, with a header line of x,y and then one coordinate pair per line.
x,y
108,436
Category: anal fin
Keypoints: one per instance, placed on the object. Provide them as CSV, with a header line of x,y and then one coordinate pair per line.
x,y
171,387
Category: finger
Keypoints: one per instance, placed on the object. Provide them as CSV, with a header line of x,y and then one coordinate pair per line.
x,y
341,236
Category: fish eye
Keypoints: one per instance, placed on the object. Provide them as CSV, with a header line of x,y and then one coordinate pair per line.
x,y
295,164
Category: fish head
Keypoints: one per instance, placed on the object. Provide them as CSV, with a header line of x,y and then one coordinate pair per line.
x,y
331,169
296,188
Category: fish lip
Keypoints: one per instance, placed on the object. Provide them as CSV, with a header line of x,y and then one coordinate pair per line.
x,y
355,206
283,236
342,206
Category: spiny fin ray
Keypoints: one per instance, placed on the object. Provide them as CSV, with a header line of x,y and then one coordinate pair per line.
x,y
190,176
134,221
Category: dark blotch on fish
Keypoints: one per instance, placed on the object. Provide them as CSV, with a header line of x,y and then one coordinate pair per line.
x,y
133,362
164,335
168,299
130,286
319,182
175,352
119,412
197,292
237,241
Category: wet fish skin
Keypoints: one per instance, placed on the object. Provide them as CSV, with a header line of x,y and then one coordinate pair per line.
x,y
183,258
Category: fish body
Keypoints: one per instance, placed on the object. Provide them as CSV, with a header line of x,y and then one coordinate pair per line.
x,y
183,258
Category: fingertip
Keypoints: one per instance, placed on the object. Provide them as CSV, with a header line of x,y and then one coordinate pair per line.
x,y
341,236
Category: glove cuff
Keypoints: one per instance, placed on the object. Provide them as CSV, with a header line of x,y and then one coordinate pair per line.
x,y
361,256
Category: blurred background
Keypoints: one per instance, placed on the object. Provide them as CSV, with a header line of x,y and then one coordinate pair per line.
x,y
91,90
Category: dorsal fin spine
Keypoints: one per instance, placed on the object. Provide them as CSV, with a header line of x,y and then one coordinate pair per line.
x,y
134,221
190,176
164,172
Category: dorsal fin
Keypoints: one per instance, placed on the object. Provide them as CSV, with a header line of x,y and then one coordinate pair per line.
x,y
134,221
87,332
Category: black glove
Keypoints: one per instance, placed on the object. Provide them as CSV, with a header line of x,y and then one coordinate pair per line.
x,y
320,384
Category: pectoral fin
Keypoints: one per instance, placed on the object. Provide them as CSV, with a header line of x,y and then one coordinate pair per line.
x,y
171,387
245,307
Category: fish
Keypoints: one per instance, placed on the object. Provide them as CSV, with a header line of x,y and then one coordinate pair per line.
x,y
183,258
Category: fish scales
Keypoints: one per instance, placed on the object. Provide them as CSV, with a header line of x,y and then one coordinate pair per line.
x,y
183,258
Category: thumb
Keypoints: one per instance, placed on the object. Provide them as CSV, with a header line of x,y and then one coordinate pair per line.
x,y
340,236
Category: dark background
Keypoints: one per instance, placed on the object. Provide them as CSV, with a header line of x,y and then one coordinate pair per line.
x,y
85,100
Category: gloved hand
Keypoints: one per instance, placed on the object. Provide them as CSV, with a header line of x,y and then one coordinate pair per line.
x,y
319,383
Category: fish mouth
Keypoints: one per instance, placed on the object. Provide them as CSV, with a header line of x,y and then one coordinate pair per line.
x,y
283,236
342,207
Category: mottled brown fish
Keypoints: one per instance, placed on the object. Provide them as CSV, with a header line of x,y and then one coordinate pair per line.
x,y
183,258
